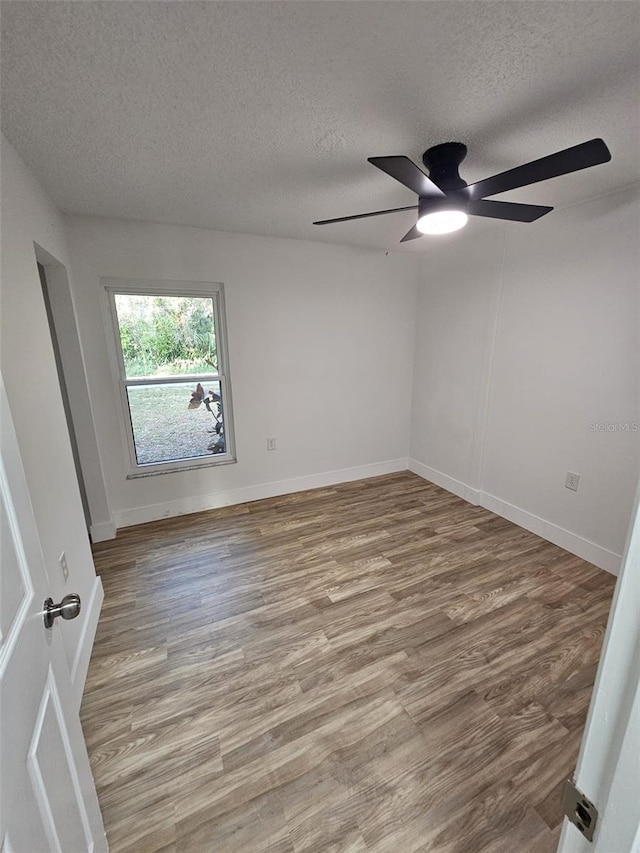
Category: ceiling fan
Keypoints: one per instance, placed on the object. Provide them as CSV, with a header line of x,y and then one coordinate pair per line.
x,y
445,199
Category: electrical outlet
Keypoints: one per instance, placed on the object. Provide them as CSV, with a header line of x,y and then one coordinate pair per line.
x,y
271,444
63,565
572,481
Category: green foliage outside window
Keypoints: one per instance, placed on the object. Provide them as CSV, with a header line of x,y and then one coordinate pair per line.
x,y
166,335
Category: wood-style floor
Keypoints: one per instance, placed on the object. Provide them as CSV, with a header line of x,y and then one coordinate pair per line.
x,y
376,666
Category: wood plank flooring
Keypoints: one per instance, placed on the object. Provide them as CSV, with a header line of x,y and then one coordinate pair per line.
x,y
376,666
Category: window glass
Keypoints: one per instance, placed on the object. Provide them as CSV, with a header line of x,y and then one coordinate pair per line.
x,y
166,335
176,421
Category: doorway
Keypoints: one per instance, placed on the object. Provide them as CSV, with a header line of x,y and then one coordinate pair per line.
x,y
70,341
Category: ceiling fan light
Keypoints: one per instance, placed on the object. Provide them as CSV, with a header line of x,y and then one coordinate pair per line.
x,y
442,221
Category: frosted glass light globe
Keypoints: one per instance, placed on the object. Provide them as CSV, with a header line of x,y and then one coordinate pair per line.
x,y
442,221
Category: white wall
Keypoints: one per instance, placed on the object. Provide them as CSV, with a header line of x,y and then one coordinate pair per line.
x,y
321,353
455,318
524,339
31,381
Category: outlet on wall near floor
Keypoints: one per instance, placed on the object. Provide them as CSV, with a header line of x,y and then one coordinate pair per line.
x,y
271,444
572,481
64,568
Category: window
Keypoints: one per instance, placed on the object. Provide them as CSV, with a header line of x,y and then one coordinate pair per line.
x,y
171,363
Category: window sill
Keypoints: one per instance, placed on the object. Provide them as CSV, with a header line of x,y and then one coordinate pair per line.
x,y
136,475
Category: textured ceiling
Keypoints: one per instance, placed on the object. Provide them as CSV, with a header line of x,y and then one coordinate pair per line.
x,y
258,117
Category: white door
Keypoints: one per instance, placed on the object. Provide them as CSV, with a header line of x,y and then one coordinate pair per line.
x,y
608,769
48,800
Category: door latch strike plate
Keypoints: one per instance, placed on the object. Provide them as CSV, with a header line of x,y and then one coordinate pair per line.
x,y
579,809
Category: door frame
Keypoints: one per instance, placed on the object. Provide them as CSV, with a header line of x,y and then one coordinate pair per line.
x,y
61,309
608,766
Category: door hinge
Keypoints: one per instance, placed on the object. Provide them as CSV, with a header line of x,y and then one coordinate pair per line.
x,y
579,809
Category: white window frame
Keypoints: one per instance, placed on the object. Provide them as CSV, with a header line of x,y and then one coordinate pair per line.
x,y
146,287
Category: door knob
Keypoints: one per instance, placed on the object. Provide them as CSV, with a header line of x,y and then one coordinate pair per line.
x,y
68,608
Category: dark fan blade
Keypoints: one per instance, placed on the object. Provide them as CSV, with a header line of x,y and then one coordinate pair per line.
x,y
412,234
405,171
508,210
562,163
365,215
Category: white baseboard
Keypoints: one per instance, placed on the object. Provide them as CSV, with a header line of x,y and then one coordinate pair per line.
x,y
578,545
199,503
572,542
103,531
85,645
456,487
